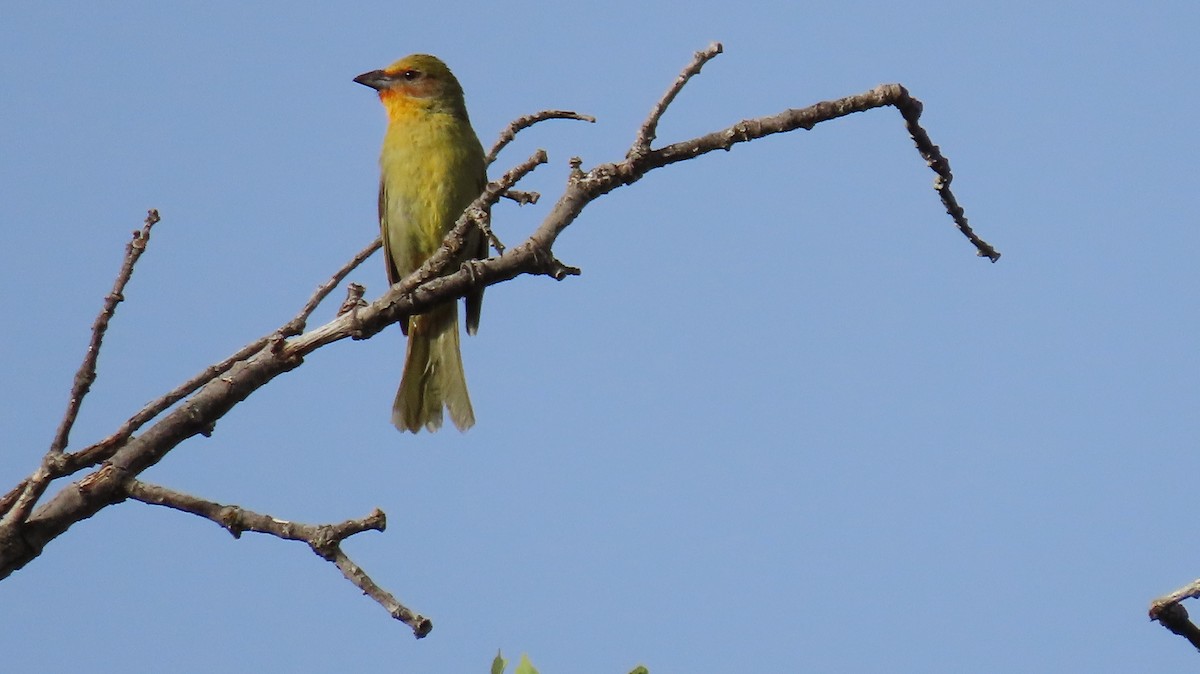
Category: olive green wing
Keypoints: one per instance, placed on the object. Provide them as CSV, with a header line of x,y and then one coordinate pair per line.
x,y
393,274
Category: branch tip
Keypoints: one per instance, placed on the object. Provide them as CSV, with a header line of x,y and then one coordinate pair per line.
x,y
354,298
522,198
86,375
649,130
422,626
524,122
1170,612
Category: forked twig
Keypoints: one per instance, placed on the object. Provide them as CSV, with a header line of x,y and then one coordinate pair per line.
x,y
324,539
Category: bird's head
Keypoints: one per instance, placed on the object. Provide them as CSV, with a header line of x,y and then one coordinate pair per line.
x,y
417,82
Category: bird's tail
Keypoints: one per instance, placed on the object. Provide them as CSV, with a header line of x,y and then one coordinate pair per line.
x,y
433,374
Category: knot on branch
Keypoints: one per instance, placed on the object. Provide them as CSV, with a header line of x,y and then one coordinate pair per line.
x,y
230,517
57,464
324,542
354,298
543,262
576,173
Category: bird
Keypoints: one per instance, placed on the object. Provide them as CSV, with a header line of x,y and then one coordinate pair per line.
x,y
431,168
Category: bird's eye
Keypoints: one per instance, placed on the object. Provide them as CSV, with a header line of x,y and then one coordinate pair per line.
x,y
411,75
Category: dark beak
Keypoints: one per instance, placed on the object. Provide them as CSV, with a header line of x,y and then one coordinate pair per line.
x,y
376,79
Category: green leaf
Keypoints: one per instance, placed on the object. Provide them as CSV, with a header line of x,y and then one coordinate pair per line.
x,y
499,664
525,666
639,670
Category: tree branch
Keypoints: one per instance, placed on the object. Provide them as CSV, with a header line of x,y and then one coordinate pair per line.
x,y
884,95
195,407
17,504
521,123
296,325
649,130
87,370
324,539
521,197
67,464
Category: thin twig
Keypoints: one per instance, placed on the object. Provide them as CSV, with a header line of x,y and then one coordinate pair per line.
x,y
324,539
910,108
420,625
9,499
521,123
87,370
485,225
522,198
646,135
18,503
104,449
297,324
21,500
893,95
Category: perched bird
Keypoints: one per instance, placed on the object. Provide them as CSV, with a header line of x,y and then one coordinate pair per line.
x,y
431,168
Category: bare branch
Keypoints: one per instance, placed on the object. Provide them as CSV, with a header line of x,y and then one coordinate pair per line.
x,y
324,539
522,198
87,370
101,451
805,118
521,123
479,212
646,135
10,499
18,503
210,395
260,362
911,109
420,625
296,325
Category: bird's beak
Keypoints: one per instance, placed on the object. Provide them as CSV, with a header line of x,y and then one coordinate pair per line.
x,y
376,79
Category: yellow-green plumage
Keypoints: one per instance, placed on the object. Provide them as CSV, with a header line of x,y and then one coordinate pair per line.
x,y
431,168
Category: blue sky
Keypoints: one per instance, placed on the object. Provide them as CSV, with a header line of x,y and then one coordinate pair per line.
x,y
784,421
